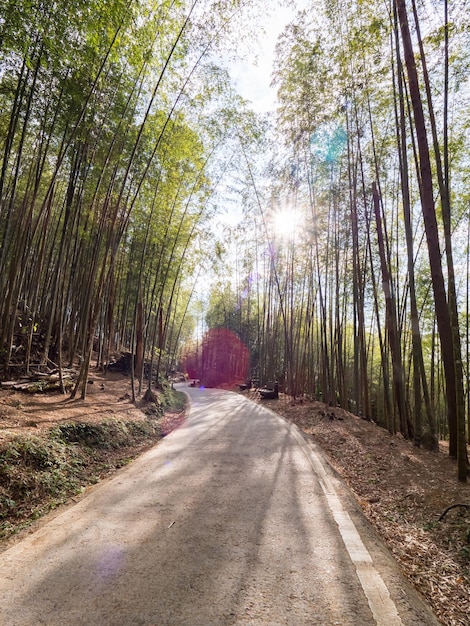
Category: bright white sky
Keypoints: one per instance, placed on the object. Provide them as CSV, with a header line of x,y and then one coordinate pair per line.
x,y
253,80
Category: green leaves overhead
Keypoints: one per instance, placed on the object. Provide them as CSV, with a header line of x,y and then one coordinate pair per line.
x,y
107,131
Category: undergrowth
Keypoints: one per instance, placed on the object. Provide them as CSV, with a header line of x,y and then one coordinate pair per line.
x,y
34,469
109,434
172,399
37,473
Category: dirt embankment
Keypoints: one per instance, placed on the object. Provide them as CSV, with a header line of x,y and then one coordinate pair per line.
x,y
52,448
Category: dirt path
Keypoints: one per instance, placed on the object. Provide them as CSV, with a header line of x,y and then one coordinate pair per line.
x,y
223,522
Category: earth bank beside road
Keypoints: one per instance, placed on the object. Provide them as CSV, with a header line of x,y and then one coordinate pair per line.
x,y
53,448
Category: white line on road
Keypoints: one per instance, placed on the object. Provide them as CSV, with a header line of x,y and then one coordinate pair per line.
x,y
381,604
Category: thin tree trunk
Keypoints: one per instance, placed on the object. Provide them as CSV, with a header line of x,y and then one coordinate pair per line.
x,y
419,373
432,237
457,447
392,324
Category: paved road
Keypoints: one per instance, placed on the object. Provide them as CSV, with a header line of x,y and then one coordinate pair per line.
x,y
232,519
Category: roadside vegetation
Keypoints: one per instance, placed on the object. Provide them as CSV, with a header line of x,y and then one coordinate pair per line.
x,y
39,472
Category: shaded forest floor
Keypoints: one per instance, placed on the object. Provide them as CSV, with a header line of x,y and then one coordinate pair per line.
x,y
402,490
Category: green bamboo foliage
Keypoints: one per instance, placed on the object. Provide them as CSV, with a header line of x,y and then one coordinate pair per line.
x,y
350,309
106,129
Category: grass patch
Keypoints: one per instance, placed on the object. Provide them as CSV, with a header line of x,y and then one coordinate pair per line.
x,y
172,399
110,434
35,472
164,399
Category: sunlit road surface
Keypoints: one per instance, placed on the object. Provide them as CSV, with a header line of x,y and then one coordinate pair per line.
x,y
232,519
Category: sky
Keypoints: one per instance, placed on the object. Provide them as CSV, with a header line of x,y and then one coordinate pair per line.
x,y
253,79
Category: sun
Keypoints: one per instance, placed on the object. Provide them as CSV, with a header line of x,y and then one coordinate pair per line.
x,y
286,222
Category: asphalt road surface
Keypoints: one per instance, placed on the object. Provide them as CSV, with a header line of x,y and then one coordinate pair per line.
x,y
232,519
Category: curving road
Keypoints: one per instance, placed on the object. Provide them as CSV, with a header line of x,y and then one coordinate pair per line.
x,y
232,519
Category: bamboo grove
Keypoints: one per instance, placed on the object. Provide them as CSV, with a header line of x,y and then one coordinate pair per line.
x,y
112,115
360,297
347,280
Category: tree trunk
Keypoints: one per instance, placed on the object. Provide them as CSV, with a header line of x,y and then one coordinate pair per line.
x,y
392,324
432,238
457,448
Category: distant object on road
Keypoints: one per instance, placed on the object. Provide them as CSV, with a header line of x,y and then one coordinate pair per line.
x,y
245,386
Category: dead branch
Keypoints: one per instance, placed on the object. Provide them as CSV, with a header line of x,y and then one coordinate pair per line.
x,y
449,508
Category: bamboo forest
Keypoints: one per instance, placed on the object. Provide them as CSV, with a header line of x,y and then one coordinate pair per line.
x,y
147,208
